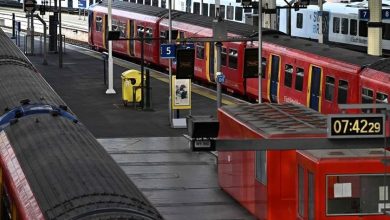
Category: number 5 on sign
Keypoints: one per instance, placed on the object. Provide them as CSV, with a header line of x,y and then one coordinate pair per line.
x,y
167,51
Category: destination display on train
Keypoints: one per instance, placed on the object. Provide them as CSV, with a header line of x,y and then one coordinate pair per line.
x,y
356,126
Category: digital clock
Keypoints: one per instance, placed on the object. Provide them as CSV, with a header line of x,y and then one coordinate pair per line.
x,y
356,126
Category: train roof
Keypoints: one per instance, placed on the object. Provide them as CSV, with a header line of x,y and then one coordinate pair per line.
x,y
137,8
344,153
279,120
203,21
323,50
382,65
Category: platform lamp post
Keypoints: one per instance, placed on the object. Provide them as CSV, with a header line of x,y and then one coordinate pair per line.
x,y
110,89
170,61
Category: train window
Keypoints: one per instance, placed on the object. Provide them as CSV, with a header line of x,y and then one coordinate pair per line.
x,y
353,27
357,194
163,3
336,25
238,1
222,11
200,50
342,92
233,58
386,31
381,98
247,10
261,166
140,31
205,9
122,29
148,34
230,12
299,20
196,8
223,57
310,177
367,95
114,25
212,10
133,1
288,70
238,14
344,25
99,24
329,88
301,191
155,3
140,1
363,28
147,2
299,79
263,66
163,36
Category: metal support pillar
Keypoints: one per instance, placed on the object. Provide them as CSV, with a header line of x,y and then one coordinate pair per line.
x,y
60,32
320,17
32,34
375,28
110,89
142,69
218,45
148,105
13,26
170,62
260,21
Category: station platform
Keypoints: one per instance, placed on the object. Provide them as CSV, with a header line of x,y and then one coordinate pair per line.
x,y
180,183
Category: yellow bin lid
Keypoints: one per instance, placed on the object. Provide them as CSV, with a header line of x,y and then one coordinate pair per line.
x,y
131,74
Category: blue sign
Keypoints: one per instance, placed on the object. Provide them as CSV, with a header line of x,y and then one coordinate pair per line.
x,y
82,4
364,14
187,46
221,78
168,51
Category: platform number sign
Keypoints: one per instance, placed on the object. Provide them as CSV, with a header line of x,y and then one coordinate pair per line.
x,y
356,126
168,51
82,4
364,14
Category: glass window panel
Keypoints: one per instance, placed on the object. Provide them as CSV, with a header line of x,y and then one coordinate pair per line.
x,y
299,79
233,58
200,50
205,9
155,3
344,26
212,10
222,12
196,8
261,166
301,191
288,70
238,14
299,20
148,2
353,27
99,24
263,67
342,92
363,28
336,25
381,98
356,194
230,12
386,31
329,88
223,57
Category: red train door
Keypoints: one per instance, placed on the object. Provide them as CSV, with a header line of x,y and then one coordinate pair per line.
x,y
315,88
274,79
90,26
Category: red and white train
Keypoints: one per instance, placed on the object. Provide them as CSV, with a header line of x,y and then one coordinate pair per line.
x,y
295,70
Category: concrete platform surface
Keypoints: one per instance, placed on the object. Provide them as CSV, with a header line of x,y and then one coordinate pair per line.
x,y
180,183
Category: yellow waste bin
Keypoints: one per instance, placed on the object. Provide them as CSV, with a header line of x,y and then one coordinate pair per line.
x,y
131,81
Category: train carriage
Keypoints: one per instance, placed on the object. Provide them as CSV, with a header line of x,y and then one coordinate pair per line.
x,y
345,184
51,166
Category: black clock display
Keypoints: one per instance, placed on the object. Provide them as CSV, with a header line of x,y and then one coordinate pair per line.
x,y
353,126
